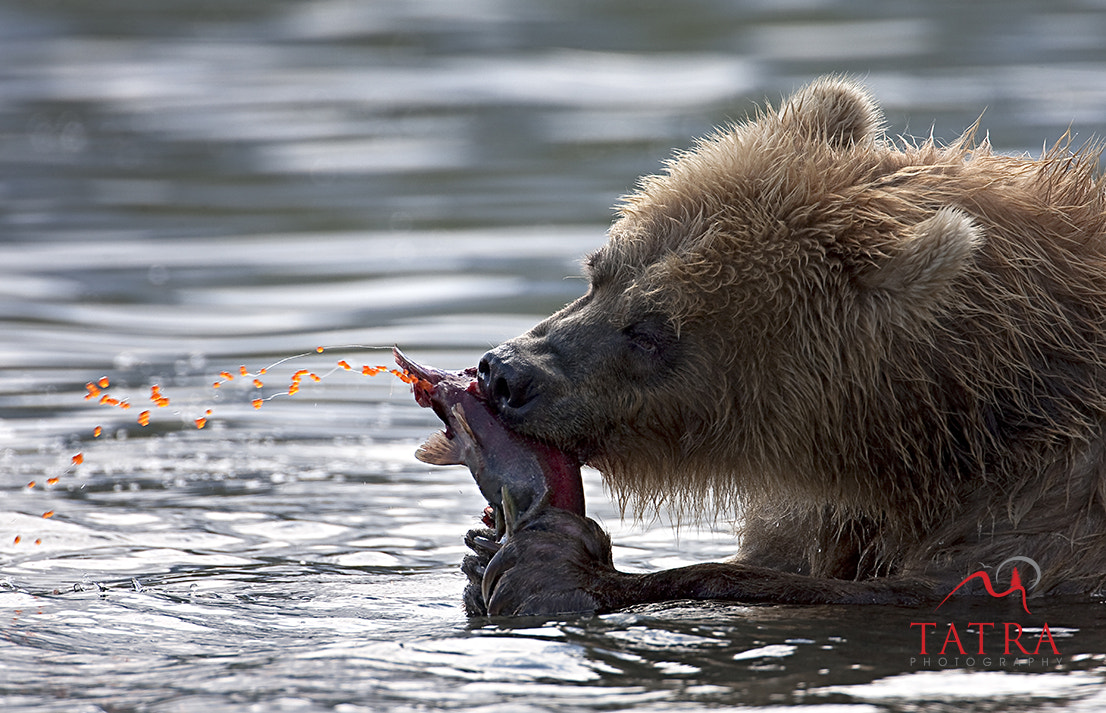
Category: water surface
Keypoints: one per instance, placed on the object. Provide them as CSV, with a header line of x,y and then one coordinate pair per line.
x,y
187,188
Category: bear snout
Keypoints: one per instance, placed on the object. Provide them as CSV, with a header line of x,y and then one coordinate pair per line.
x,y
507,381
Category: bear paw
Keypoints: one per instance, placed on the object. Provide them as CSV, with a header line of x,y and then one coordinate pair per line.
x,y
555,562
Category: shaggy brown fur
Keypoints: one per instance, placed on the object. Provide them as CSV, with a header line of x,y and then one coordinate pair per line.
x,y
892,355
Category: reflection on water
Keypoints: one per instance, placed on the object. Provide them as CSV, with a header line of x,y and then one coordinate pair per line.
x,y
186,188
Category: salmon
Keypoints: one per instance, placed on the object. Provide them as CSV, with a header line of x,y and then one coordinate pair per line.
x,y
516,474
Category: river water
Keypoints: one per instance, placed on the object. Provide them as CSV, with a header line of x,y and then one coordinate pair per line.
x,y
192,188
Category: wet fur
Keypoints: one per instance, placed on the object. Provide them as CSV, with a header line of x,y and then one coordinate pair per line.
x,y
892,355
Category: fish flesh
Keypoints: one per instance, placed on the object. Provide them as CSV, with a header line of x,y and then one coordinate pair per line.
x,y
516,474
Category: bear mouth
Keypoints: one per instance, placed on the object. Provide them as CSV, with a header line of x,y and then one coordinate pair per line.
x,y
500,458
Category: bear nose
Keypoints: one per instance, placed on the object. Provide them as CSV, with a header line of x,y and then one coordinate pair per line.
x,y
506,386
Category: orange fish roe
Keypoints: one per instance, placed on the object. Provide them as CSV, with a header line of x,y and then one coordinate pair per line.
x,y
403,376
31,484
48,514
52,481
97,390
296,379
17,539
157,397
38,541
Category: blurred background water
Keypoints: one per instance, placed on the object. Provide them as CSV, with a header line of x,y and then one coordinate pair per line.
x,y
189,187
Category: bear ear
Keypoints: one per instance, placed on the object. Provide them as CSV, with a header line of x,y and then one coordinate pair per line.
x,y
929,258
833,109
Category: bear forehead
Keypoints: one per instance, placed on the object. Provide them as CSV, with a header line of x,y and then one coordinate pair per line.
x,y
748,185
786,166
765,209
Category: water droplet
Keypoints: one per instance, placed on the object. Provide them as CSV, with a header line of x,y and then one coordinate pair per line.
x,y
157,275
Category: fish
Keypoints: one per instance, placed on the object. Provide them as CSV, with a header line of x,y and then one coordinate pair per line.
x,y
516,474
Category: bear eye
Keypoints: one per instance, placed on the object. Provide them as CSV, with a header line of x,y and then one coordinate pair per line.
x,y
649,336
644,342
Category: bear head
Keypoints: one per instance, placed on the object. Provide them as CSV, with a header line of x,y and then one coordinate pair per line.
x,y
748,312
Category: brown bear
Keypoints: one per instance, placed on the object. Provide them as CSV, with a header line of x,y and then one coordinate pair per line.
x,y
888,357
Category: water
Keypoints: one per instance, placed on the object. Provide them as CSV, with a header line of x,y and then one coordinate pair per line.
x,y
190,187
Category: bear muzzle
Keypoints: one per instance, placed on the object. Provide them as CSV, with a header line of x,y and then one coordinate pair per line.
x,y
508,382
